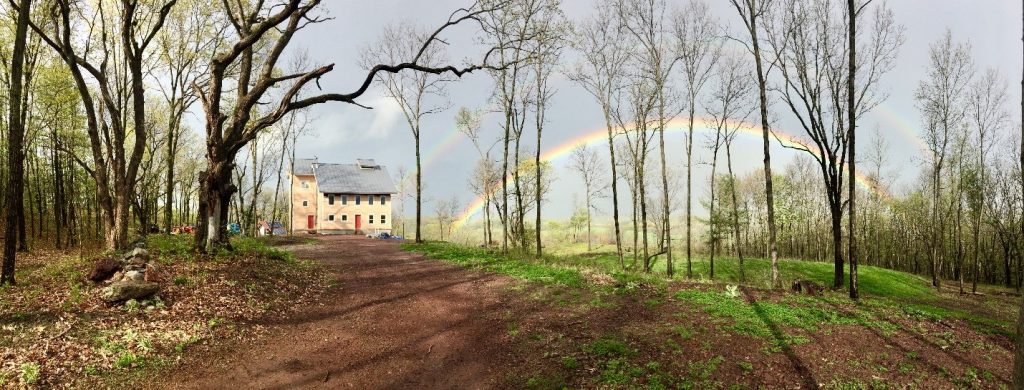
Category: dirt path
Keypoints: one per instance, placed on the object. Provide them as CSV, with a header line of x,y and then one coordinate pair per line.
x,y
394,320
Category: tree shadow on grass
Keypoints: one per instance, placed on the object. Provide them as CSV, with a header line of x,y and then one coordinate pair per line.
x,y
889,340
806,376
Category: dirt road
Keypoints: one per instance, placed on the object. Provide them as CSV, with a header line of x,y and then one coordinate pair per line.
x,y
394,320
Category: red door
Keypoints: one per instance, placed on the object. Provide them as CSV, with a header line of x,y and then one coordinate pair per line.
x,y
310,220
359,221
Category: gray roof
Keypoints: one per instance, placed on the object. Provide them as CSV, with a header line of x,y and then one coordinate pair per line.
x,y
303,166
351,179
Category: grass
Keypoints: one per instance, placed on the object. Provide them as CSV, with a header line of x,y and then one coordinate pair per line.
x,y
881,289
480,258
770,320
180,246
873,281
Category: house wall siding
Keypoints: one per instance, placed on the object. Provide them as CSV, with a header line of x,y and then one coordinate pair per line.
x,y
364,209
300,213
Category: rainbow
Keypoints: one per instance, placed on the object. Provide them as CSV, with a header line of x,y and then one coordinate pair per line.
x,y
678,125
447,143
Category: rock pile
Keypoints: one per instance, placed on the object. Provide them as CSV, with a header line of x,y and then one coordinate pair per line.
x,y
131,277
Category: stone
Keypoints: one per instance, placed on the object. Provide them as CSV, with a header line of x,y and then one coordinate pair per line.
x,y
807,287
125,290
137,254
136,264
134,276
118,276
103,269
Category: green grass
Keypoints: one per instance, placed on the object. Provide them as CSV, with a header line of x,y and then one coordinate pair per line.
x,y
873,281
883,291
180,246
773,320
484,259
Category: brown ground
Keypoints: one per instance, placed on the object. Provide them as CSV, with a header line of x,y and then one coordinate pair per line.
x,y
394,319
399,320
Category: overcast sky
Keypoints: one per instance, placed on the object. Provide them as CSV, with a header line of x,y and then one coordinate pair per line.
x,y
341,133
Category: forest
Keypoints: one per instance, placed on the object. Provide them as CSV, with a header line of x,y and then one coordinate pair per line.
x,y
125,121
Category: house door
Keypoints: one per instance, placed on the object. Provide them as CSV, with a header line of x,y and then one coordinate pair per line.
x,y
359,221
310,220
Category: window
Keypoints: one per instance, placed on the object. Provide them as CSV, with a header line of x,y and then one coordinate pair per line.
x,y
383,219
383,201
344,217
330,217
344,199
330,200
358,198
305,203
371,198
371,218
305,184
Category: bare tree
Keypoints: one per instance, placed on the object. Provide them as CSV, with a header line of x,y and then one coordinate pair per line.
x,y
731,105
546,52
752,12
445,211
191,35
699,49
647,22
942,102
254,78
811,54
512,29
485,176
412,91
598,41
988,115
587,163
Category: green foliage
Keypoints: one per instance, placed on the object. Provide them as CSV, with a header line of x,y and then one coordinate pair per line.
x,y
181,280
479,258
29,372
569,362
128,360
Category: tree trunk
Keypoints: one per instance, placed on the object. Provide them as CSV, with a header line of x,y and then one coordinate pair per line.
x,y
837,240
765,132
735,210
615,189
15,150
419,190
666,211
215,191
169,185
852,113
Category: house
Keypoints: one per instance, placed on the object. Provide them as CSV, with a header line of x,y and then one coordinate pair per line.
x,y
263,228
340,198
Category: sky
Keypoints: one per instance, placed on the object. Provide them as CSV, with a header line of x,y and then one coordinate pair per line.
x,y
340,133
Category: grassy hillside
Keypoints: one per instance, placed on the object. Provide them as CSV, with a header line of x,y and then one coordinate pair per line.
x,y
994,312
615,328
